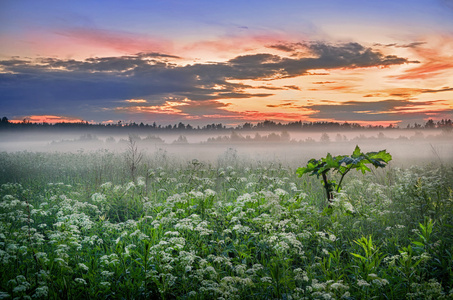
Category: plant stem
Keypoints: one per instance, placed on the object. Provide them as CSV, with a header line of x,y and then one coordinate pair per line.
x,y
328,188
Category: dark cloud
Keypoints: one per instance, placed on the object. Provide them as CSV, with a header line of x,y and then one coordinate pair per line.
x,y
402,94
155,54
318,73
284,104
292,87
67,85
266,87
288,47
372,95
445,89
410,45
324,82
327,56
352,55
323,56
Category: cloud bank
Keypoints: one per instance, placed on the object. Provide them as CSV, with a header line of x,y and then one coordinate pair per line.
x,y
99,83
152,83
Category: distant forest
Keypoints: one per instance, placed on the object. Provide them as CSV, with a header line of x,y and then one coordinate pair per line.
x,y
265,125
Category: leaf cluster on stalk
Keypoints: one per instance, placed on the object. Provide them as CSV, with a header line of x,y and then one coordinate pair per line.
x,y
342,164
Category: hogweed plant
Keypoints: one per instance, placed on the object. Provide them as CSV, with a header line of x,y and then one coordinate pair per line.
x,y
342,164
199,231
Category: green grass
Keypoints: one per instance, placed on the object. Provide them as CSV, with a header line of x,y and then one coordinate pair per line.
x,y
74,226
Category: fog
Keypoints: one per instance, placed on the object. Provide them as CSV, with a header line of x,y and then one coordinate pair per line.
x,y
407,147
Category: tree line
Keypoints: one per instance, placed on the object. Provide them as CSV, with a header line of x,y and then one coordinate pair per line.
x,y
265,125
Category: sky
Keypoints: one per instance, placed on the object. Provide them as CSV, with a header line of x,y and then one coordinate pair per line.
x,y
202,62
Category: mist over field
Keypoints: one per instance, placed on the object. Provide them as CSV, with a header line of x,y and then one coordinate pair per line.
x,y
406,146
226,214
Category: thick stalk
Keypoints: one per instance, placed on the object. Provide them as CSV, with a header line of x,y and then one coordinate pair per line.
x,y
328,188
341,179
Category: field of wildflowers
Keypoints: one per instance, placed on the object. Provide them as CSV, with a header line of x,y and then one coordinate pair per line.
x,y
94,226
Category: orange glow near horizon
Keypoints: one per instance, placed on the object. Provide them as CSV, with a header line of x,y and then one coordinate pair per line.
x,y
51,119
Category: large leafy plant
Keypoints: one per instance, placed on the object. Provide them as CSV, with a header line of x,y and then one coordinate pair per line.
x,y
342,164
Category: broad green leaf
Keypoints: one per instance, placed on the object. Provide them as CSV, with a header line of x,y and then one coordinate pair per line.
x,y
357,152
342,164
381,156
342,169
362,167
351,161
330,161
301,171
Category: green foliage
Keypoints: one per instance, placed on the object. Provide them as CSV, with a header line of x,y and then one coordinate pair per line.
x,y
425,235
342,164
371,259
197,231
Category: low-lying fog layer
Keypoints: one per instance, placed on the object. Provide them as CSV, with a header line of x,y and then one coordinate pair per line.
x,y
406,146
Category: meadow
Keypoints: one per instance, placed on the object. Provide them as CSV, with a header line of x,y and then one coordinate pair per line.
x,y
135,225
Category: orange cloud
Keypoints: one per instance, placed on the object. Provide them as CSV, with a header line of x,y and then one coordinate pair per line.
x,y
275,116
406,93
169,108
47,119
427,70
435,60
339,88
136,101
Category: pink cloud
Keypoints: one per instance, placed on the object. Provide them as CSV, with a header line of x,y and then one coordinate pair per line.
x,y
234,43
123,42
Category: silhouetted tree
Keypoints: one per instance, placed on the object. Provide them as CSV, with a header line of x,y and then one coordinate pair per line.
x,y
430,124
325,138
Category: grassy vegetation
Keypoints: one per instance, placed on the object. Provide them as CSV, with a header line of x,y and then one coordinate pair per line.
x,y
108,226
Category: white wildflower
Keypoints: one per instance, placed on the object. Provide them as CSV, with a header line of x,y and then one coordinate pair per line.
x,y
130,185
80,281
20,288
141,181
83,266
361,282
107,273
266,279
280,192
209,193
98,197
106,185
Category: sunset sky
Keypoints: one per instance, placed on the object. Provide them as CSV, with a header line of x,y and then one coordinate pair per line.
x,y
200,62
